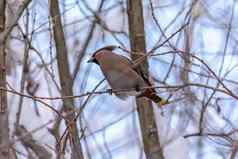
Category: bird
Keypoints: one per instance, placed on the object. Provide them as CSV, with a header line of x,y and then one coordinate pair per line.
x,y
122,76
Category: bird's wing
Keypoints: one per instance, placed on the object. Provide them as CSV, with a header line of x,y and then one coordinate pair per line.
x,y
126,59
139,72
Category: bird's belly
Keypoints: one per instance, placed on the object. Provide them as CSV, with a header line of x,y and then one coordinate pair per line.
x,y
118,80
122,85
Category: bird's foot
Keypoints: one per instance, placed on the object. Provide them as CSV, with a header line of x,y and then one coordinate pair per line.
x,y
110,91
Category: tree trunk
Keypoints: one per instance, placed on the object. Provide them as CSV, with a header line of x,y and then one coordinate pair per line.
x,y
4,129
65,79
149,133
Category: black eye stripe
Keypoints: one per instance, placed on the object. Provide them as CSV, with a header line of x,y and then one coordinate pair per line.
x,y
95,61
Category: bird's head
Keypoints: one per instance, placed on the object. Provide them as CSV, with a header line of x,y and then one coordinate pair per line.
x,y
97,54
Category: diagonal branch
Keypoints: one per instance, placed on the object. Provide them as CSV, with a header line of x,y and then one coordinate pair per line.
x,y
13,22
29,142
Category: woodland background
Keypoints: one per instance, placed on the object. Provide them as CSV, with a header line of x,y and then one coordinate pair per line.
x,y
53,104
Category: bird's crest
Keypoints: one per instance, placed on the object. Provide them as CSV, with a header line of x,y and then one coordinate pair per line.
x,y
108,48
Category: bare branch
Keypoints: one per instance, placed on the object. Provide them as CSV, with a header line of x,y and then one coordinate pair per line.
x,y
31,143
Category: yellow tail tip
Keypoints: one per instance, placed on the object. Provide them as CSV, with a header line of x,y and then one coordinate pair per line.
x,y
162,102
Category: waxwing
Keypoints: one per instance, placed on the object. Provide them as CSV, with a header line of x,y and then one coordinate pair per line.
x,y
121,75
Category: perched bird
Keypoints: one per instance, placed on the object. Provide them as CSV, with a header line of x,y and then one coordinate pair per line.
x,y
122,75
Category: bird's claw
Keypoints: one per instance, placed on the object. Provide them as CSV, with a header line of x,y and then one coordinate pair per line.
x,y
110,91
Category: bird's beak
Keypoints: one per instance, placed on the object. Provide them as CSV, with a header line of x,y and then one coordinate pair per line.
x,y
91,60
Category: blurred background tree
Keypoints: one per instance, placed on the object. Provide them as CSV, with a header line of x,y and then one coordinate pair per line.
x,y
55,105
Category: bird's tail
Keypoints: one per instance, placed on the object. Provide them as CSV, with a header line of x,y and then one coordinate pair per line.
x,y
151,94
162,102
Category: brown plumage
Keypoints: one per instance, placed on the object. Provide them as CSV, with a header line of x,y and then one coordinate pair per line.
x,y
121,75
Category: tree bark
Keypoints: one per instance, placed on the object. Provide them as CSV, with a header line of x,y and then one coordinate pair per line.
x,y
65,79
149,133
4,129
